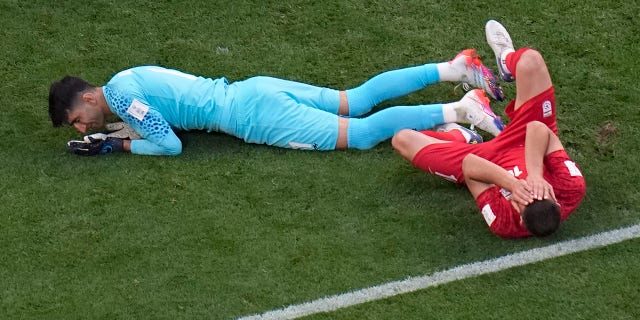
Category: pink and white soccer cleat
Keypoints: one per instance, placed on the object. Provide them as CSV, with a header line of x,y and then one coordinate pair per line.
x,y
468,63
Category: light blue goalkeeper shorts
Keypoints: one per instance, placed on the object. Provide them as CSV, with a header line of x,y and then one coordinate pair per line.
x,y
286,114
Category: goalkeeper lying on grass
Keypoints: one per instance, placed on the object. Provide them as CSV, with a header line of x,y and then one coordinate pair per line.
x,y
154,101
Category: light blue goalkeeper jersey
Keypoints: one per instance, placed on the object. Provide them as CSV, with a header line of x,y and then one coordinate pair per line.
x,y
155,100
264,110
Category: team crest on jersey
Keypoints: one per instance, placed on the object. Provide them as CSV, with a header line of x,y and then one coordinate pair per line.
x,y
547,110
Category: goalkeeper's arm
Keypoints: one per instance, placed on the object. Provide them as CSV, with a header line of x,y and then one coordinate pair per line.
x,y
117,139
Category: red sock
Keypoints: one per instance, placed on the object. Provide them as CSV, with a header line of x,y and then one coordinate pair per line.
x,y
512,59
451,135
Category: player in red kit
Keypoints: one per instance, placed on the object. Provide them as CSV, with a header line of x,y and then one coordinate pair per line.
x,y
523,181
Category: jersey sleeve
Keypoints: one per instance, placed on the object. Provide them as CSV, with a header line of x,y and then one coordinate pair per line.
x,y
498,212
567,181
157,136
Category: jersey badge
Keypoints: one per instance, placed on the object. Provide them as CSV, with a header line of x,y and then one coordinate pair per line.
x,y
573,169
488,214
138,109
547,110
505,193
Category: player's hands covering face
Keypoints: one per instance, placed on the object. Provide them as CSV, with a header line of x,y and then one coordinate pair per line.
x,y
521,192
540,188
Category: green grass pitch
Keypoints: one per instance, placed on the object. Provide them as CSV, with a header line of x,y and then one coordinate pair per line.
x,y
230,229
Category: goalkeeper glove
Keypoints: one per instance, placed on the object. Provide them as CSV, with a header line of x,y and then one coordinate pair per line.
x,y
121,130
95,144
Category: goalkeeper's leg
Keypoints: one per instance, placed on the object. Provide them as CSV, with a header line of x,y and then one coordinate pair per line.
x,y
465,67
385,86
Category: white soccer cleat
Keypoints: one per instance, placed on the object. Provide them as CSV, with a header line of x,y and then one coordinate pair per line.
x,y
471,136
474,109
473,72
501,44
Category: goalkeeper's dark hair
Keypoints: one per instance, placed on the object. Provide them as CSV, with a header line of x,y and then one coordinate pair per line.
x,y
541,217
62,94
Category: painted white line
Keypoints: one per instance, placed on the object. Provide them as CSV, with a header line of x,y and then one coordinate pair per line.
x,y
412,284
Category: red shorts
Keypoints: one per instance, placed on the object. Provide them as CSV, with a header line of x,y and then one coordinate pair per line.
x,y
539,108
445,159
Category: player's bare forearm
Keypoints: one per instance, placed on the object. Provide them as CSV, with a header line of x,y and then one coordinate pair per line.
x,y
482,170
539,141
480,174
535,147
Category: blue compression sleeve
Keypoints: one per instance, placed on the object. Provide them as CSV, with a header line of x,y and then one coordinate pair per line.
x,y
366,133
390,85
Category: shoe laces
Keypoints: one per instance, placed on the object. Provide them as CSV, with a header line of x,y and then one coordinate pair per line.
x,y
465,88
485,110
502,39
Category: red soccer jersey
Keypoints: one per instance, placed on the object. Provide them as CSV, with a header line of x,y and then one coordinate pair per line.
x,y
539,108
507,150
560,171
445,159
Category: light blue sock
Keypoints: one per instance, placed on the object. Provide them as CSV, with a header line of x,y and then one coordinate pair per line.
x,y
390,85
367,132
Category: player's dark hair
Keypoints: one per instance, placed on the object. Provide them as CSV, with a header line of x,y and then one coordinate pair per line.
x,y
61,97
541,217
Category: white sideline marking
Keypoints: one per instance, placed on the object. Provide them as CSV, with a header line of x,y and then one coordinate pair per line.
x,y
464,271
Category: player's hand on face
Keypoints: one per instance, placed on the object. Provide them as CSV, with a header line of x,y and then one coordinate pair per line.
x,y
540,188
521,192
